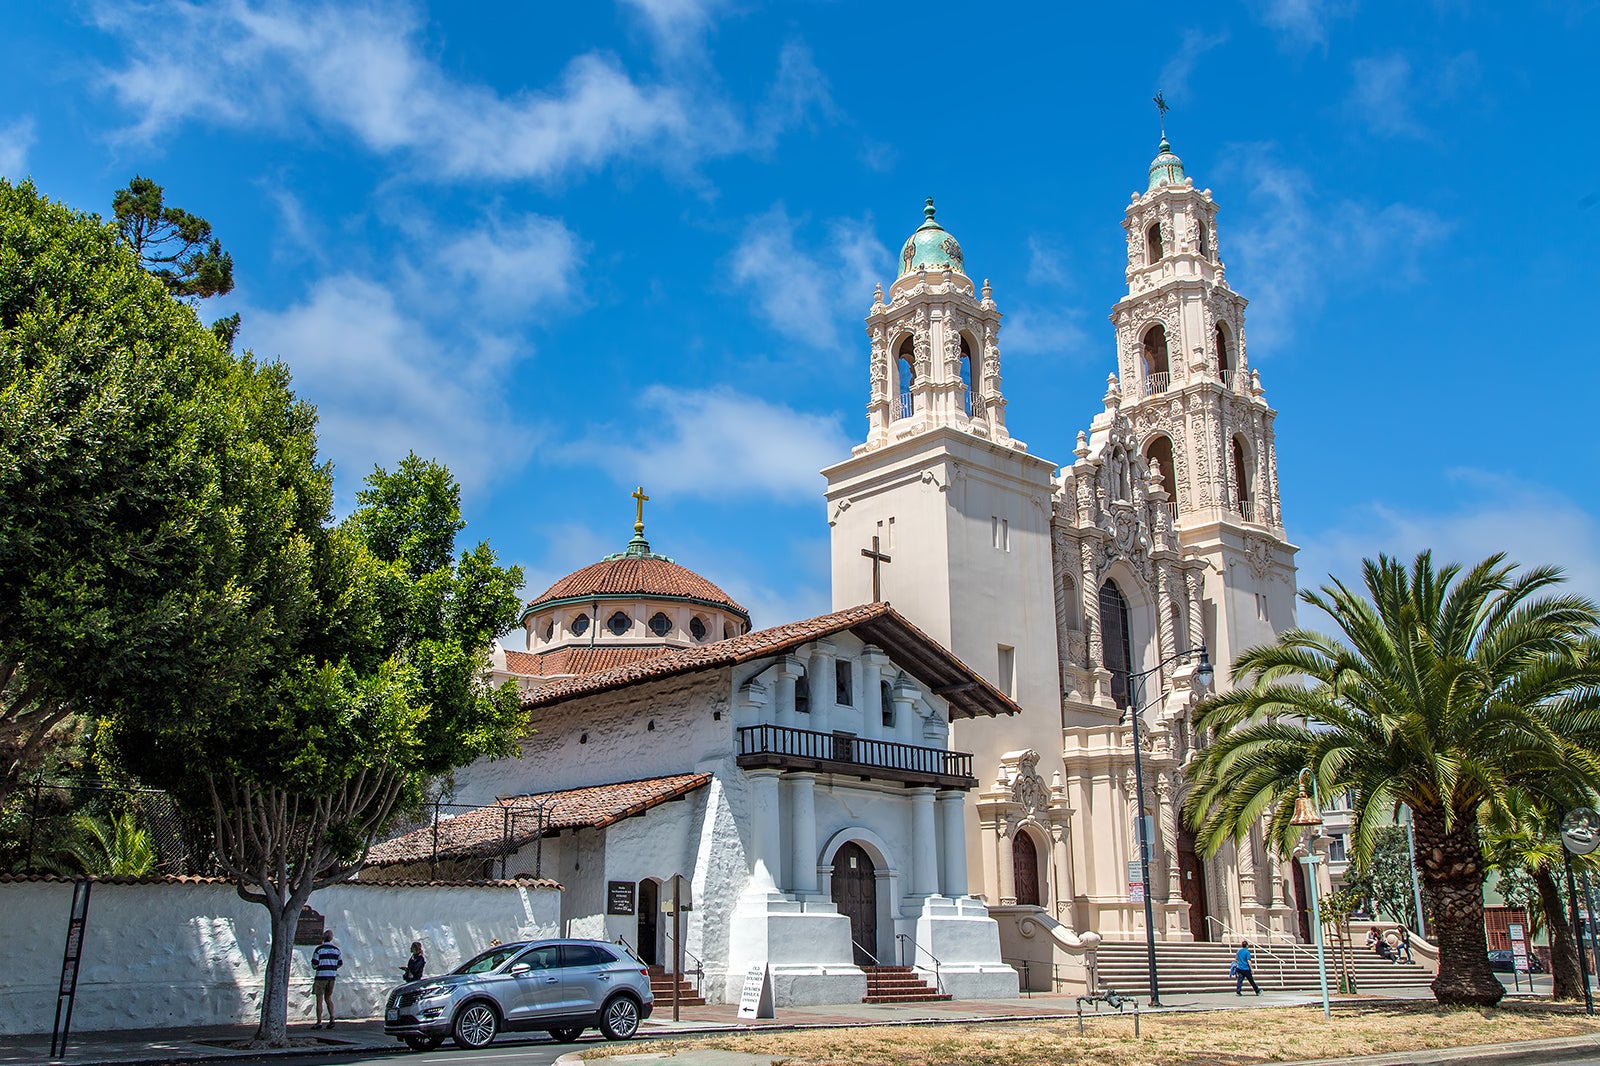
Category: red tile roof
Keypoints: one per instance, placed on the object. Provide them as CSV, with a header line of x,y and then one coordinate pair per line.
x,y
907,646
576,659
647,575
489,831
175,879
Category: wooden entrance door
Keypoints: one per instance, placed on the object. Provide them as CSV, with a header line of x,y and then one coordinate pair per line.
x,y
1025,869
1192,883
1301,900
649,908
855,893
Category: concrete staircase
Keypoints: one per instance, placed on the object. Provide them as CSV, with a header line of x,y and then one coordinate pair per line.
x,y
1122,965
661,988
898,984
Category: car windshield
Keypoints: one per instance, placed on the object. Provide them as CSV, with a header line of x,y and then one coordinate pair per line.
x,y
492,959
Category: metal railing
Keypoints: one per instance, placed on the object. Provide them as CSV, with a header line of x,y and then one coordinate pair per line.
x,y
857,751
1264,940
865,952
1229,376
699,970
1245,509
975,404
907,405
1171,507
902,940
1157,383
73,828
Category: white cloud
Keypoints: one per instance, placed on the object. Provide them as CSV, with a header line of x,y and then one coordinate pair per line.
x,y
804,295
16,139
512,268
362,69
1045,331
384,384
1534,526
1382,93
1046,265
1174,78
719,443
678,26
1302,23
1292,246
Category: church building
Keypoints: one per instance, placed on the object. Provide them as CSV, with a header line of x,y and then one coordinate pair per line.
x,y
936,783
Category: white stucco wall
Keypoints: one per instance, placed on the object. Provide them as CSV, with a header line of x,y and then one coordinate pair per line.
x,y
165,955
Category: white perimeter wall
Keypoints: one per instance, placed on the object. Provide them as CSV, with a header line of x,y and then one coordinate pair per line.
x,y
160,955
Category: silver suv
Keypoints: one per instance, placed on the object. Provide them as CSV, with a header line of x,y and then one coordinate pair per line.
x,y
560,986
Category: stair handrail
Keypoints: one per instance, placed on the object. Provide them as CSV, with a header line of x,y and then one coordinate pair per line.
x,y
902,938
871,955
1227,930
699,970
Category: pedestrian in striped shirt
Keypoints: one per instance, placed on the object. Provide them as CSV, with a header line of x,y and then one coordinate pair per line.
x,y
325,963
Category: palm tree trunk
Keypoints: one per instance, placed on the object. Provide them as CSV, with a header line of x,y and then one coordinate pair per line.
x,y
1565,982
1452,870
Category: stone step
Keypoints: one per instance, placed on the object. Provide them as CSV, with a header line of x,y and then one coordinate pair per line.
x,y
898,984
1201,967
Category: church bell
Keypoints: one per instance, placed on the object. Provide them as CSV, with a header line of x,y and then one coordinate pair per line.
x,y
1305,812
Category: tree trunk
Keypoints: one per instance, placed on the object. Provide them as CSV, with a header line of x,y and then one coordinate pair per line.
x,y
273,1031
1565,982
1452,871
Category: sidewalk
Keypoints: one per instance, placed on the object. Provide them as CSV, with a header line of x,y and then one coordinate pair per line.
x,y
366,1037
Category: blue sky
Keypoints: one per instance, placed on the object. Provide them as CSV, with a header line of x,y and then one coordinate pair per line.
x,y
570,248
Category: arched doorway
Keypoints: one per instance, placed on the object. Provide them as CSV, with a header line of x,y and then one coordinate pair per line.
x,y
1025,869
1192,884
649,908
855,893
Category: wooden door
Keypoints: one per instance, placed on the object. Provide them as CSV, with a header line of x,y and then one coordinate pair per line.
x,y
1302,901
855,893
1192,883
1025,868
649,908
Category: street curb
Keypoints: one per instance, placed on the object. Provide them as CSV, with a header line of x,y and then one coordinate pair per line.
x,y
1553,1049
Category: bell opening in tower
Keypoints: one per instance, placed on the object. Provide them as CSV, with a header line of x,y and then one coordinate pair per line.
x,y
1116,645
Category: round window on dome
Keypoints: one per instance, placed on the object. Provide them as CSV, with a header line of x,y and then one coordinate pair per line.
x,y
697,628
660,624
620,623
580,625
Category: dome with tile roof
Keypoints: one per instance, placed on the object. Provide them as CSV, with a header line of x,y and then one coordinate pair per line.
x,y
931,247
630,605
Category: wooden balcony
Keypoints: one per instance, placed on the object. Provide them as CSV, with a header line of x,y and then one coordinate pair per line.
x,y
845,754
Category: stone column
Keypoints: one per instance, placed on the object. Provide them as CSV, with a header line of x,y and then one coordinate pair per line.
x,y
784,673
1247,872
924,844
872,663
766,829
953,837
803,833
905,713
1006,863
1275,871
1167,809
823,685
1061,853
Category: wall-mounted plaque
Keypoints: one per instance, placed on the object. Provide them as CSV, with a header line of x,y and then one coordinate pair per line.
x,y
619,897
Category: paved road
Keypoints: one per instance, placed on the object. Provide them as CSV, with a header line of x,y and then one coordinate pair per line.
x,y
507,1051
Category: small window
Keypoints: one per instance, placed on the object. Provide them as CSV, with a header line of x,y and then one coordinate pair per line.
x,y
660,624
550,629
697,628
1006,680
620,623
1336,847
580,625
802,694
1152,243
1203,238
843,686
887,698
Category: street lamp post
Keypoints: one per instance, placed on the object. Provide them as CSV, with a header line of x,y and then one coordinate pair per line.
x,y
1306,815
1203,674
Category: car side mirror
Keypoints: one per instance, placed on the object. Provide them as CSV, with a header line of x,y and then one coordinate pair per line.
x,y
520,968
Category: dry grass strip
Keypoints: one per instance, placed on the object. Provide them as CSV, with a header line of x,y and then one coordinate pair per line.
x,y
1224,1038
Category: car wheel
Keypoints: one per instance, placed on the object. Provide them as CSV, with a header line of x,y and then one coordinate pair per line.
x,y
567,1035
619,1018
418,1042
476,1025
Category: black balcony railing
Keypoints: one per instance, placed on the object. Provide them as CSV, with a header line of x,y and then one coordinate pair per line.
x,y
772,745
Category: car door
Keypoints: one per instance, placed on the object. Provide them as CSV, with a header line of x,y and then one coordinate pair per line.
x,y
535,986
586,976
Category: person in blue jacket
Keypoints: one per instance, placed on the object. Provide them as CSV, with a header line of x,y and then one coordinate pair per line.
x,y
1241,971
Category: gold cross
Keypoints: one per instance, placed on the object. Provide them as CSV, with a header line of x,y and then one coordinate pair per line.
x,y
639,498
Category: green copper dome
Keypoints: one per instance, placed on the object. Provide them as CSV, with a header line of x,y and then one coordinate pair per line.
x,y
930,248
1166,168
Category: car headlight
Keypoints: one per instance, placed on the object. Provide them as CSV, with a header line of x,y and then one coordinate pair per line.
x,y
433,991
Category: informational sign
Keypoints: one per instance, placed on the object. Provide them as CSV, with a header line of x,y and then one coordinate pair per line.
x,y
755,1001
77,919
1519,948
308,928
1135,881
619,897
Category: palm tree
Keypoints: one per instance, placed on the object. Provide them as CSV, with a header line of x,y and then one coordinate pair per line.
x,y
97,847
1444,691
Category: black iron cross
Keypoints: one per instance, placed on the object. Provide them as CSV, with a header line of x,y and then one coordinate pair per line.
x,y
878,559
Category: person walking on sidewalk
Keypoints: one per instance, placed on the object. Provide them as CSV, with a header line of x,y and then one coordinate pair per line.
x,y
1241,971
325,963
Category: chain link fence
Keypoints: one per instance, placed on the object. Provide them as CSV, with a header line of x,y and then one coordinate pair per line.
x,y
73,829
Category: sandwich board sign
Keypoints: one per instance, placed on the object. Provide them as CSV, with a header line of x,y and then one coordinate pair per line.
x,y
756,999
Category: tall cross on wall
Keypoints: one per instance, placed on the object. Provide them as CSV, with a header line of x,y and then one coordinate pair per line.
x,y
878,559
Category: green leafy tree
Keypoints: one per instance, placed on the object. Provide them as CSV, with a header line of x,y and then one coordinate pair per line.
x,y
173,244
107,390
1389,876
1446,691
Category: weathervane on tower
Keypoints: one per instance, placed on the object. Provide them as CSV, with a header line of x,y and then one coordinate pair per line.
x,y
1160,100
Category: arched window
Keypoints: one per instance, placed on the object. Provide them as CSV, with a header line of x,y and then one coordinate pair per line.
x,y
974,406
1115,642
886,702
660,624
1154,252
802,694
1158,453
619,623
1204,239
550,629
1025,868
1155,360
1221,347
580,625
1241,478
906,363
